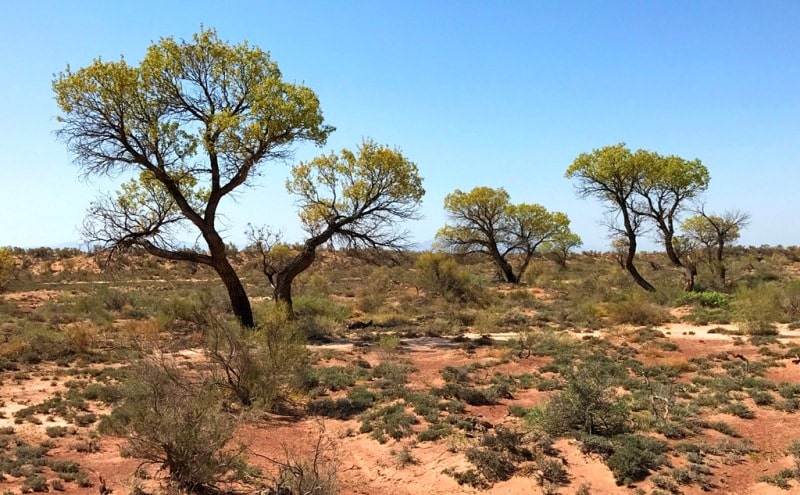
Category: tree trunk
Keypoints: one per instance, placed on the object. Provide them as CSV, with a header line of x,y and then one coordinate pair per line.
x,y
671,254
631,233
721,270
282,291
505,267
689,274
240,303
637,277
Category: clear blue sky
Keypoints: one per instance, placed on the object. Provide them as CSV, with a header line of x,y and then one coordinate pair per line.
x,y
504,94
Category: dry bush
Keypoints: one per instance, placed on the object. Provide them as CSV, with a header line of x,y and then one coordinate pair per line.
x,y
757,309
172,420
636,309
262,366
315,473
440,274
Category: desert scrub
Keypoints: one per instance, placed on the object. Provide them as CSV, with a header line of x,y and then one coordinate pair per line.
x,y
496,458
757,309
708,299
357,401
635,309
440,274
390,421
176,422
262,367
587,404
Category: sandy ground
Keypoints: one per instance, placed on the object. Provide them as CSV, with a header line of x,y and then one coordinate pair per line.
x,y
367,467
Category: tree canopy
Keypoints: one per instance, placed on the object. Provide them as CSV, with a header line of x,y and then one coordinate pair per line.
x,y
485,221
355,199
612,175
641,189
713,233
194,121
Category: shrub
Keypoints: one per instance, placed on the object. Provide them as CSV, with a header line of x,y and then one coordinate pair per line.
x,y
493,465
757,309
8,269
35,483
315,473
587,404
390,420
553,471
262,366
357,401
435,432
634,457
178,424
636,310
708,299
440,273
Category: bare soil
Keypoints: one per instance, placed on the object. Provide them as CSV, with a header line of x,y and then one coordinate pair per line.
x,y
368,467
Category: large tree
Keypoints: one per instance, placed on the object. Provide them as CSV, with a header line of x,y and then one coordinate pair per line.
x,y
612,175
714,233
194,121
353,199
485,221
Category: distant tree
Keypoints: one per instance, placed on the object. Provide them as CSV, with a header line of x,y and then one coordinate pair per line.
x,y
668,184
8,268
714,233
194,121
484,221
354,199
612,175
560,246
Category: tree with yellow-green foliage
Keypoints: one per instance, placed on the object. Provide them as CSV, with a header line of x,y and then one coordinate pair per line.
x,y
8,268
194,121
712,234
638,188
484,220
354,199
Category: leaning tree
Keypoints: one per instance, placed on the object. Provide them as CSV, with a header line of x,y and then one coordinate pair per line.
x,y
355,199
612,175
668,185
485,221
193,122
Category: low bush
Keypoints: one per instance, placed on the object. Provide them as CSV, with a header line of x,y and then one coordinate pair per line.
x,y
175,422
634,457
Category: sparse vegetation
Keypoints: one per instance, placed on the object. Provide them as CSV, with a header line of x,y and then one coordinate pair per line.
x,y
625,393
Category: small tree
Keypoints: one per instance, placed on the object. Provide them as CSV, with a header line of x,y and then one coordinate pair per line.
x,y
715,233
560,246
195,121
612,175
354,199
8,269
484,221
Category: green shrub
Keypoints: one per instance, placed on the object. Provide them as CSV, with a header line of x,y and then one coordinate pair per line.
x,y
391,420
757,309
634,457
708,299
439,273
357,401
264,366
435,432
636,310
35,483
587,404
